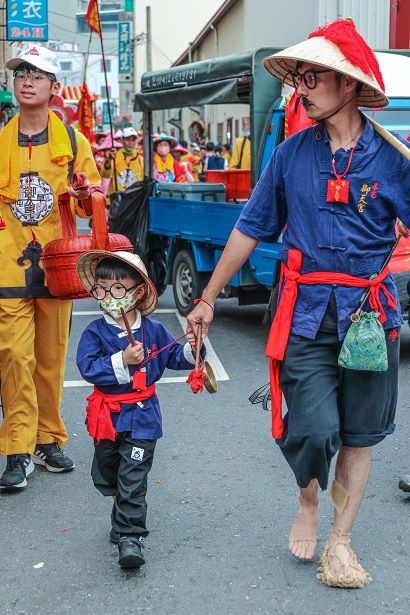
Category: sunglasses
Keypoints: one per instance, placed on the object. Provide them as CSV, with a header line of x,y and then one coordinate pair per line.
x,y
21,75
309,78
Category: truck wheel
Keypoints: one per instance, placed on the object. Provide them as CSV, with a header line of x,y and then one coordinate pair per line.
x,y
187,282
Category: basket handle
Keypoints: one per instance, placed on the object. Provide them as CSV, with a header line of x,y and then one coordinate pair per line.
x,y
100,239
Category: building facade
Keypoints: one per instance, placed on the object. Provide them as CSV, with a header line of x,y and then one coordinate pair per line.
x,y
241,25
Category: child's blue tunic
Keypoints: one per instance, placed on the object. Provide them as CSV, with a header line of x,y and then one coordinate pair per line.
x,y
99,360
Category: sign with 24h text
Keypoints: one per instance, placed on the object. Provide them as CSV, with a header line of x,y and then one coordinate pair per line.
x,y
27,20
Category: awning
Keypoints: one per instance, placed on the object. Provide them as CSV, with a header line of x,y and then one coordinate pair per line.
x,y
72,94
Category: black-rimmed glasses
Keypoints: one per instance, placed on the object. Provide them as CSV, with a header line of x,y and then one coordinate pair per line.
x,y
117,291
308,78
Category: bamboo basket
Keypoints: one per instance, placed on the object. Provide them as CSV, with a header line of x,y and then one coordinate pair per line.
x,y
60,256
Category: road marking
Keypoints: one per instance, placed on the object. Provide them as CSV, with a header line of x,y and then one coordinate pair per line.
x,y
211,355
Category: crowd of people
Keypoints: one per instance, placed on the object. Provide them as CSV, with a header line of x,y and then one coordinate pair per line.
x,y
120,158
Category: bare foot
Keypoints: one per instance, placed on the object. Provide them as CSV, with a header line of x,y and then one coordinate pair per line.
x,y
303,538
339,566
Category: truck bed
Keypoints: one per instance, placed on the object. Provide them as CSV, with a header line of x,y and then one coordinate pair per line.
x,y
210,223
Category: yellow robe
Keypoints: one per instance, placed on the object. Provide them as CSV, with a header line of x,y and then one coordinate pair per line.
x,y
38,220
246,155
129,168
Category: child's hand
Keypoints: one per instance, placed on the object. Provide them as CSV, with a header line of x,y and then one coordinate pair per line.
x,y
133,355
191,337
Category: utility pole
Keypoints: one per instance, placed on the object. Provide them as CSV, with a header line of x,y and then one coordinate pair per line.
x,y
149,40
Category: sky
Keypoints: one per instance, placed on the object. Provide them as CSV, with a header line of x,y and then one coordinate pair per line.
x,y
173,25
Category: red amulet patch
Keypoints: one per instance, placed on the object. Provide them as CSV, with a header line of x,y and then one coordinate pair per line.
x,y
337,191
139,381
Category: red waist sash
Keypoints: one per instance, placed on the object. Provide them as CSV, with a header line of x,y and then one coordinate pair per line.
x,y
281,325
99,408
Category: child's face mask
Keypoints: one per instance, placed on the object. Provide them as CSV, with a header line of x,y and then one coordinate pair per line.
x,y
113,306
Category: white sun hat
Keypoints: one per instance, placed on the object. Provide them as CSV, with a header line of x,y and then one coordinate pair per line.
x,y
37,56
129,132
339,47
88,262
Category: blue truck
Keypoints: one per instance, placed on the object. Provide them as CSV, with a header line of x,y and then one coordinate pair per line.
x,y
193,221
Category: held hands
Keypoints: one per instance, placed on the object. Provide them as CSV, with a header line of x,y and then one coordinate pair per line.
x,y
133,355
203,314
191,337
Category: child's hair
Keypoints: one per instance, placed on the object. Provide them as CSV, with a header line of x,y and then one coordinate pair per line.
x,y
112,267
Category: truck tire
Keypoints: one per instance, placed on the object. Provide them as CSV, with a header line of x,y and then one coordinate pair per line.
x,y
187,282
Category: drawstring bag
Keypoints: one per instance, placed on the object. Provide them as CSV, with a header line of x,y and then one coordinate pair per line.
x,y
364,346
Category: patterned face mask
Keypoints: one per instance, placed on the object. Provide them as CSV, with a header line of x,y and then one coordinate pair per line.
x,y
113,306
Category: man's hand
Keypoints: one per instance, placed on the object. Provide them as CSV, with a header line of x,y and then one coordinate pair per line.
x,y
133,355
201,314
403,230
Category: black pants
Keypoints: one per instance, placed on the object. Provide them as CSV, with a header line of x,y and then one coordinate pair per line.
x,y
329,406
121,469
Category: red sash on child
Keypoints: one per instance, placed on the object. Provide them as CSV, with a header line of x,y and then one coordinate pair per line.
x,y
99,408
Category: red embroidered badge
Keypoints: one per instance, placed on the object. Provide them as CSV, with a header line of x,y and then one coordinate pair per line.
x,y
32,52
337,191
393,335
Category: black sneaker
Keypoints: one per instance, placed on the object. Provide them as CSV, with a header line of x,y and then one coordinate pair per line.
x,y
130,553
114,537
17,469
53,458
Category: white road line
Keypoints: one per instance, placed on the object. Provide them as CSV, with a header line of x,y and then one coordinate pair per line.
x,y
211,355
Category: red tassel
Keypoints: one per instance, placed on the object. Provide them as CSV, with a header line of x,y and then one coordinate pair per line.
x,y
343,33
2,223
196,380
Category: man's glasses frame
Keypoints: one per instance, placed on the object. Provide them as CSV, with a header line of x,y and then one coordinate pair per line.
x,y
309,78
99,292
22,74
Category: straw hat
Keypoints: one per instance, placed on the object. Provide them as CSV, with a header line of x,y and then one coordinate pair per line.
x,y
180,148
108,144
340,47
157,138
88,262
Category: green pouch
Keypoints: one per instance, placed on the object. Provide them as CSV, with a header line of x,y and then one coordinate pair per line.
x,y
364,346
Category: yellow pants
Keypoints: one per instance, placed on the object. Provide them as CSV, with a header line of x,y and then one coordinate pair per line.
x,y
33,348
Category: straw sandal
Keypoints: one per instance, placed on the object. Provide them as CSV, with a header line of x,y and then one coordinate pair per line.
x,y
353,574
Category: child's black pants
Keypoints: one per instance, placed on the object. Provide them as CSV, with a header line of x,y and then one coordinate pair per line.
x,y
121,469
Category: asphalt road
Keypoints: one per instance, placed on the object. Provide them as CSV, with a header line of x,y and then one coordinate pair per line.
x,y
221,501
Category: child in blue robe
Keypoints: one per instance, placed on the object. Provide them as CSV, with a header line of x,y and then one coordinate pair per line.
x,y
123,412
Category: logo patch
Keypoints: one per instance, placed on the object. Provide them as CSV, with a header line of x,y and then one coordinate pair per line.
x,y
137,453
393,335
35,202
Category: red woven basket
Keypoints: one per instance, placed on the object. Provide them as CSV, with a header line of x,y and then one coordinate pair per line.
x,y
59,257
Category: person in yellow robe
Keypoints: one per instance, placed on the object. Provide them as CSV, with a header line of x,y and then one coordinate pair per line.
x,y
128,164
37,150
241,155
